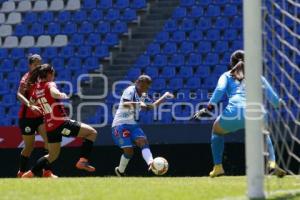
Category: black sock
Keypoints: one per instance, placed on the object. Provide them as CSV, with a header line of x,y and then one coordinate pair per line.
x,y
48,166
39,166
45,152
23,163
86,148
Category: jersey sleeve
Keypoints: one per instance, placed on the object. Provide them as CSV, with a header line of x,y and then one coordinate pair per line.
x,y
219,90
128,94
270,93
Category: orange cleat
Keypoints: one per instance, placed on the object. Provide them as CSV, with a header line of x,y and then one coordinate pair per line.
x,y
28,174
83,164
20,174
49,174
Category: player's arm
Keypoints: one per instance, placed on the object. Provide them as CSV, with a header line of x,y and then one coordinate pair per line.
x,y
56,94
271,95
26,102
216,97
166,95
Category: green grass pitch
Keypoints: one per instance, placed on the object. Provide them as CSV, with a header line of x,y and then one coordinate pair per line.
x,y
131,188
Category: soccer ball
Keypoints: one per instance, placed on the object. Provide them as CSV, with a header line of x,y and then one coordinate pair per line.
x,y
159,166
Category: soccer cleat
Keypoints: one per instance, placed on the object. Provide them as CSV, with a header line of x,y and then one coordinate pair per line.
x,y
83,164
276,170
49,174
217,171
118,173
20,174
28,174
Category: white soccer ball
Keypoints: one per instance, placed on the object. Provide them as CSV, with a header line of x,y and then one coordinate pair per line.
x,y
159,166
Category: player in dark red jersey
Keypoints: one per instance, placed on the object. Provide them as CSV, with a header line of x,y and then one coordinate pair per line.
x,y
30,118
48,98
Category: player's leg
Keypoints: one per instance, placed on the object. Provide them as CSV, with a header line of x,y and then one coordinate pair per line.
x,y
89,134
124,160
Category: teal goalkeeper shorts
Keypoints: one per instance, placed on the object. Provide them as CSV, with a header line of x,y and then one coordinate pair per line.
x,y
232,118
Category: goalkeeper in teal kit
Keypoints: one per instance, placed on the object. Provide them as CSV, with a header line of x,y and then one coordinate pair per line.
x,y
233,116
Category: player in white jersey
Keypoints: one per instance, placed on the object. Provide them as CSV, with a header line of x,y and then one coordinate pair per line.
x,y
125,131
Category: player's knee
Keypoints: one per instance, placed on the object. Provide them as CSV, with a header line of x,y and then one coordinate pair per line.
x,y
27,150
52,156
142,143
92,134
128,152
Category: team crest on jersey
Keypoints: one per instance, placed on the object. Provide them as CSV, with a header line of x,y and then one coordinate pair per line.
x,y
27,129
126,133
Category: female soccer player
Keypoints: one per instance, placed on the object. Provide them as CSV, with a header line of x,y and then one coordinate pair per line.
x,y
30,118
125,130
233,116
48,98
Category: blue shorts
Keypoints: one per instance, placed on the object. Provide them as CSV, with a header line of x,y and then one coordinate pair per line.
x,y
125,135
232,119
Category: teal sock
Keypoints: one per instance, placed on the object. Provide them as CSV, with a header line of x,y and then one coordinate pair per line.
x,y
217,148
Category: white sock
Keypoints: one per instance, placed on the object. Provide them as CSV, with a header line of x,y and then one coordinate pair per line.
x,y
123,163
147,155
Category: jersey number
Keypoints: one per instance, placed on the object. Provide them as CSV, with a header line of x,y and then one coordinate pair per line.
x,y
45,105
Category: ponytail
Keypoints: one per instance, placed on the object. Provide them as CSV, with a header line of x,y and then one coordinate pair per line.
x,y
39,72
238,71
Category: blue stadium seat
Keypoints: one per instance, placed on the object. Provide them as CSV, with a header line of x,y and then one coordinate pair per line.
x,y
153,49
101,51
34,50
138,4
187,25
89,4
230,10
69,28
204,23
221,46
30,17
4,88
160,60
134,73
111,39
119,27
203,71
66,52
237,44
3,53
21,30
36,29
194,59
170,26
129,15
213,35
220,69
105,4
204,46
112,15
84,51
46,17
213,11
77,39
58,63
175,83
168,72
211,59
103,27
8,100
159,84
121,4
187,3
2,111
93,39
74,63
177,60
195,36
53,28
22,65
185,72
230,34
196,12
91,63
143,61
225,58
179,13
63,75
14,77
169,48
193,83
151,71
17,53
178,36
237,22
7,65
86,27
187,47
50,52
204,2
79,16
95,15
64,16
221,22
162,37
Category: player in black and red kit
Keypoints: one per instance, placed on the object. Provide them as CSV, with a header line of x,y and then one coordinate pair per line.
x,y
48,98
30,118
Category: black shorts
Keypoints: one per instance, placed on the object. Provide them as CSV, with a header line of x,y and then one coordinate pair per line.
x,y
69,128
29,126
